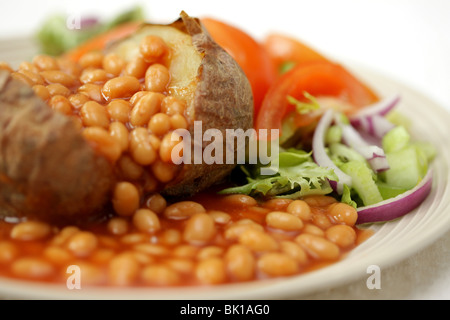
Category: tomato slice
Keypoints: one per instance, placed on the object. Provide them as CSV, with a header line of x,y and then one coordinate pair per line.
x,y
320,79
248,53
284,49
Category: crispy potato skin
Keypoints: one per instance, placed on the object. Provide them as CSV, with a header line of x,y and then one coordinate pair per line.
x,y
223,100
47,170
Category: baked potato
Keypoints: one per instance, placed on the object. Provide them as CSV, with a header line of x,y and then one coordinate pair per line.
x,y
50,170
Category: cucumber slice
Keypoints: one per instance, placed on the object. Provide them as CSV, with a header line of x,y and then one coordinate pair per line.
x,y
407,167
362,181
388,191
345,153
396,139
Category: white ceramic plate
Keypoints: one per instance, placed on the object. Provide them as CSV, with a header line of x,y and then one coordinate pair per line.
x,y
391,243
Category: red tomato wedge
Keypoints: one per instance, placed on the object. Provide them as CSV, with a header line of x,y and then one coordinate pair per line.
x,y
282,49
320,79
248,53
99,42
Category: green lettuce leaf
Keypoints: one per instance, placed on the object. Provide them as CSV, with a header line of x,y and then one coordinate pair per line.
x,y
297,175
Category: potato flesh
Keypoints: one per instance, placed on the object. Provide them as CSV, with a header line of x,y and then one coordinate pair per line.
x,y
185,60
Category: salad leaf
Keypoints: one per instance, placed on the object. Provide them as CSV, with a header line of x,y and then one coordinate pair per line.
x,y
55,37
297,175
304,107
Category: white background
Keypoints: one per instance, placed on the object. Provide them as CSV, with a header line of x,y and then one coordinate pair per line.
x,y
408,40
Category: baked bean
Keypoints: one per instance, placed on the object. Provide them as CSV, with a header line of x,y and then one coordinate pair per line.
x,y
118,131
154,141
69,67
200,229
57,255
257,240
318,247
41,91
113,64
211,271
277,264
219,216
26,65
78,100
91,274
32,268
129,169
152,249
22,78
98,76
58,89
277,204
235,230
168,143
152,48
172,106
30,230
5,66
34,77
239,200
300,208
102,256
321,220
82,244
209,252
119,110
120,87
294,250
123,270
45,62
150,184
92,59
185,251
145,108
240,263
181,265
177,121
135,97
171,237
343,213
183,210
319,200
164,171
93,91
156,203
64,235
140,147
157,78
342,235
146,220
60,104
103,142
284,221
313,229
159,124
118,226
56,76
134,238
136,68
125,198
160,275
8,252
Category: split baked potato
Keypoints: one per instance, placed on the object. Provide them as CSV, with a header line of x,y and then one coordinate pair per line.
x,y
49,171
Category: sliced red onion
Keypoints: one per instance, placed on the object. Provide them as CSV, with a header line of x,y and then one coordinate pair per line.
x,y
371,119
320,155
398,206
373,154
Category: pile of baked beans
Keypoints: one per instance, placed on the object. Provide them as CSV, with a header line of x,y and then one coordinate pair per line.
x,y
125,110
207,240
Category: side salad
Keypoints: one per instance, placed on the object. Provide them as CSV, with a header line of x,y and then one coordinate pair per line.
x,y
367,160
